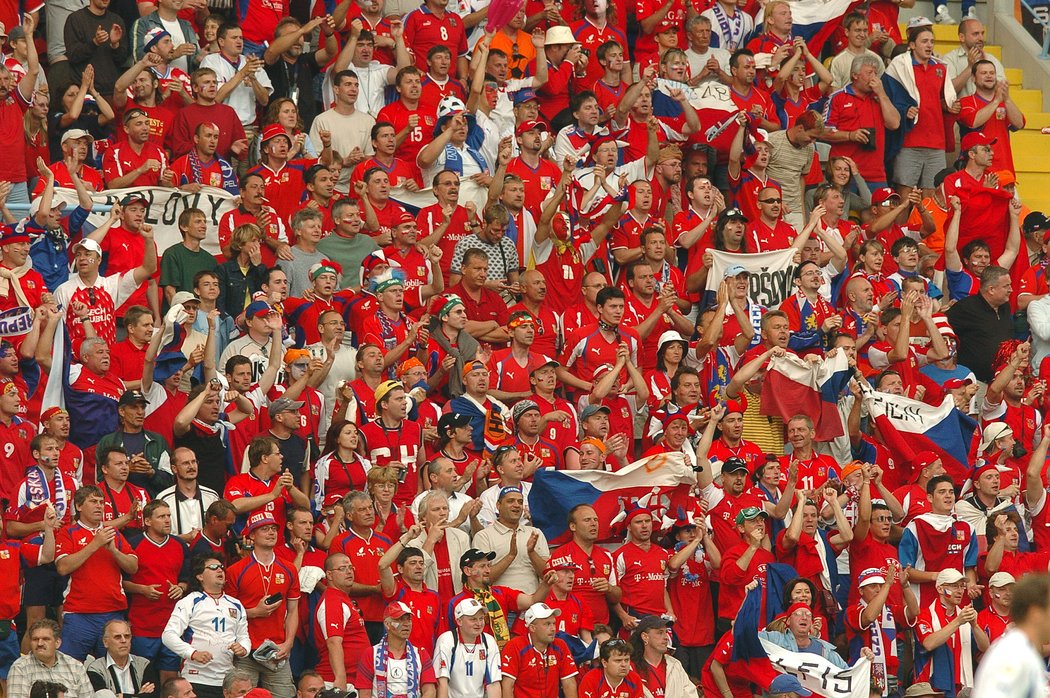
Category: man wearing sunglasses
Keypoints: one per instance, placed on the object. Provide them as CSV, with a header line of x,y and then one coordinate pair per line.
x,y
615,677
217,625
769,231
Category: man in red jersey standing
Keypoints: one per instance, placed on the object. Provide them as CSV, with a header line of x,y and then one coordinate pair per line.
x,y
269,589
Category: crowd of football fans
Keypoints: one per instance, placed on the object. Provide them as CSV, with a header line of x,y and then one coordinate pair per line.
x,y
293,452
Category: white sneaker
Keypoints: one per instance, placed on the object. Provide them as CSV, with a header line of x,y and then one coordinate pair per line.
x,y
942,16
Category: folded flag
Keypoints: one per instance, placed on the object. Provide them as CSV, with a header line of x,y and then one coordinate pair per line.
x,y
795,386
663,479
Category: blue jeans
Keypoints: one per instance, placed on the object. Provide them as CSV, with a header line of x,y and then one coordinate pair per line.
x,y
82,633
253,49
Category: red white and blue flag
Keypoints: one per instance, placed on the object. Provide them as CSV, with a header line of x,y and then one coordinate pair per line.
x,y
795,386
662,483
814,20
908,427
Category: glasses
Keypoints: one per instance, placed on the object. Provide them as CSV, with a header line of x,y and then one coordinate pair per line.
x,y
769,201
615,643
214,568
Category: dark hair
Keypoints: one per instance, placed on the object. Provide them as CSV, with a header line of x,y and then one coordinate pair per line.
x,y
331,436
197,568
219,509
972,246
234,361
338,78
852,18
790,586
408,553
682,371
47,689
103,454
260,447
738,54
579,98
900,244
603,51
934,481
202,274
634,266
376,127
468,256
608,293
885,374
439,48
248,175
225,28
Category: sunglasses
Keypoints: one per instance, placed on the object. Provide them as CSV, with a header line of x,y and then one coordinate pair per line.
x,y
213,568
769,201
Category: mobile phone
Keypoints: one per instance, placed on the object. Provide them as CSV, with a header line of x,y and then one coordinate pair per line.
x,y
273,598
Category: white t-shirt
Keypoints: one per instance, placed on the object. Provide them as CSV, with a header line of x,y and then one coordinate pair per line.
x,y
178,39
242,99
1011,668
468,668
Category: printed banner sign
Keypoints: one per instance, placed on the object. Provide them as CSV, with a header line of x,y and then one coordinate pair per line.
x,y
819,675
772,274
16,321
165,206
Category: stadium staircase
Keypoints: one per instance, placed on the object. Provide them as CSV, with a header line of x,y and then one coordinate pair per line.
x,y
1031,149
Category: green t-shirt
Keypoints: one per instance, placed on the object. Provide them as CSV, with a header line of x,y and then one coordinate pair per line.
x,y
349,253
179,265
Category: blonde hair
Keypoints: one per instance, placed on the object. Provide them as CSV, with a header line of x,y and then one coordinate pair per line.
x,y
378,476
242,235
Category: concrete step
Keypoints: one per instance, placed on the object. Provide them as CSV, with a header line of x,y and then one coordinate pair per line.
x,y
1035,121
943,47
1028,101
1014,77
1035,189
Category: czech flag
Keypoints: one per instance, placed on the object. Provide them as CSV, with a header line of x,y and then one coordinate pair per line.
x,y
908,427
795,386
814,20
662,481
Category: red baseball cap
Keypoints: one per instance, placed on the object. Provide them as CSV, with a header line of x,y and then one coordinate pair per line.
x,y
882,195
974,139
954,383
397,609
273,131
526,126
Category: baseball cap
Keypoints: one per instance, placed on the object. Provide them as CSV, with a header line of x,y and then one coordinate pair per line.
x,y
525,95
526,126
468,607
384,388
734,464
872,575
16,33
993,432
89,245
273,131
920,21
561,563
258,692
955,383
600,370
1036,220
882,195
786,683
134,199
522,407
75,133
257,309
504,491
949,576
283,404
474,555
184,297
734,270
474,365
397,609
749,513
543,362
1001,579
974,139
591,410
452,420
258,520
733,214
539,611
132,397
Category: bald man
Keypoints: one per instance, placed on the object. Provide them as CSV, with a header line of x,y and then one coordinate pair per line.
x,y
534,293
